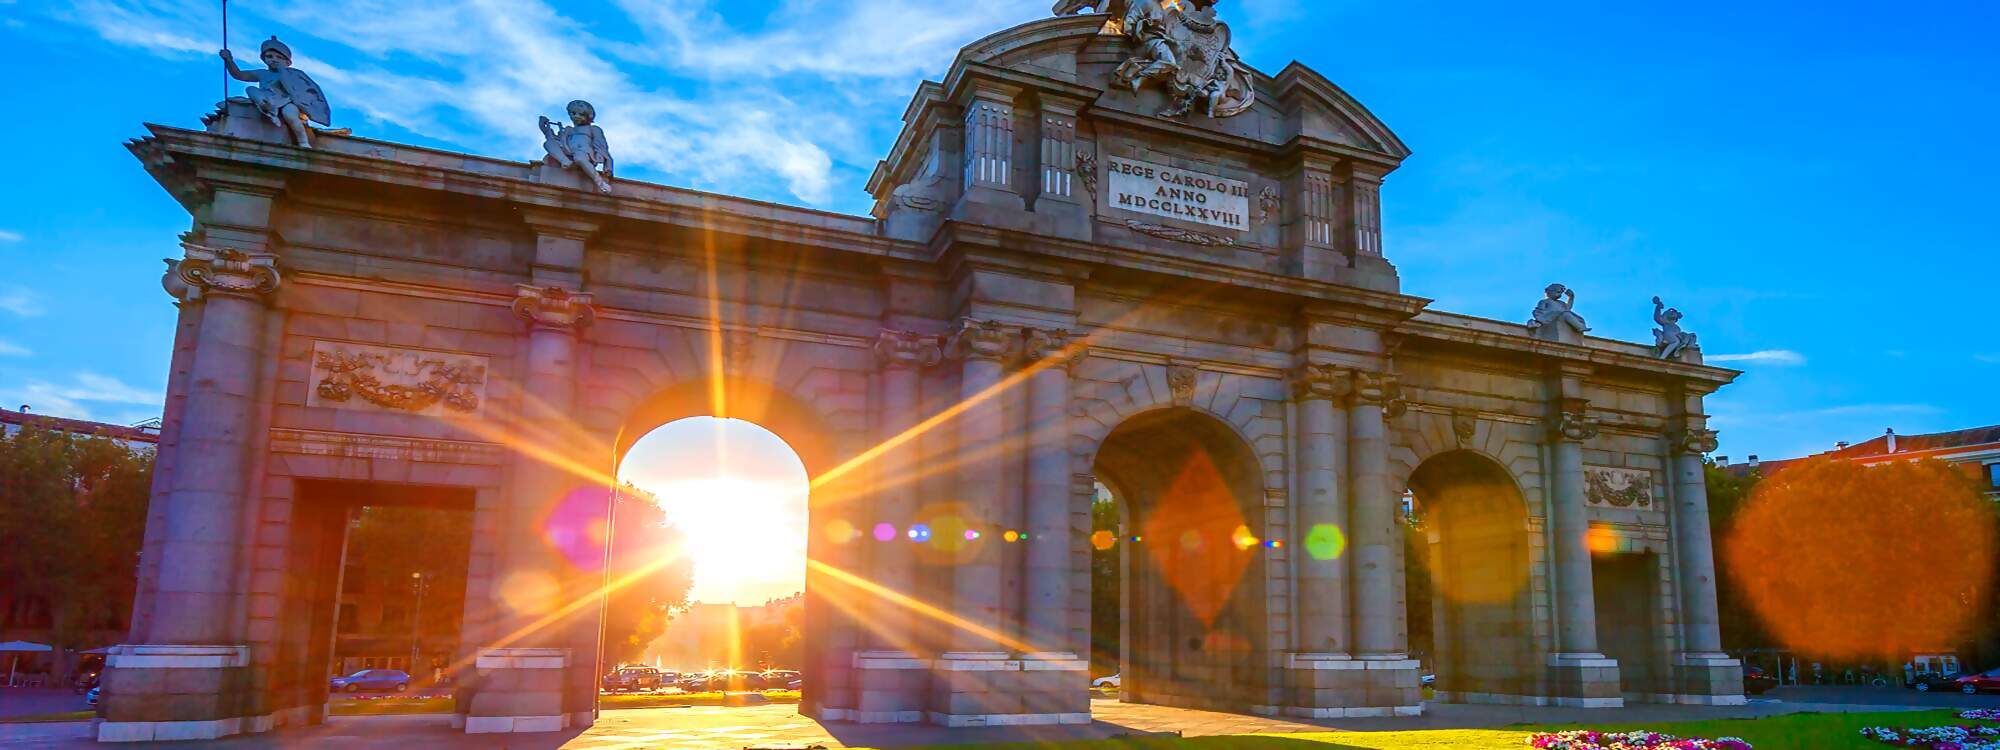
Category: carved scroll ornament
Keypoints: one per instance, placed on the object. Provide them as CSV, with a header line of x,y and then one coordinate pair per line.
x,y
212,270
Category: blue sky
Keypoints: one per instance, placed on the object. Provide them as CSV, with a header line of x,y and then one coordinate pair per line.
x,y
1810,182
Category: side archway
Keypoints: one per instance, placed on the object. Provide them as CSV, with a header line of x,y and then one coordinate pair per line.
x,y
1191,566
1471,539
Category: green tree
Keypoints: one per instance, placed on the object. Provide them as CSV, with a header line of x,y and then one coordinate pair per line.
x,y
1727,494
73,509
651,574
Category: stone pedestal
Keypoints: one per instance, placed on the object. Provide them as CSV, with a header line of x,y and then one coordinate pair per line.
x,y
1331,686
988,689
167,693
894,687
518,690
1585,681
1709,680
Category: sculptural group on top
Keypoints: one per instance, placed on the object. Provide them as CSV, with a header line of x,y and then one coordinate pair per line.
x,y
1183,47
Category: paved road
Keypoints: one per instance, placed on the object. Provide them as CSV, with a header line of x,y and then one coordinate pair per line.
x,y
705,728
1847,695
38,701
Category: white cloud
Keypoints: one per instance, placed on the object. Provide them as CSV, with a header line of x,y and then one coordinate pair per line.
x,y
11,349
1784,357
80,399
6,236
20,302
685,93
1989,359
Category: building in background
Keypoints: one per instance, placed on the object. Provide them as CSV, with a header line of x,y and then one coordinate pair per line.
x,y
1976,450
727,636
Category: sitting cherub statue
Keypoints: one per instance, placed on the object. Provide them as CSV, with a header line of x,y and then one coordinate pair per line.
x,y
580,145
1557,310
283,93
1669,340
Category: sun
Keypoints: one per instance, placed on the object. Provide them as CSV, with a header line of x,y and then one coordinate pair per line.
x,y
738,494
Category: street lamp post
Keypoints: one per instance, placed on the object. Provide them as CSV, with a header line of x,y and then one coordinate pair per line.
x,y
416,618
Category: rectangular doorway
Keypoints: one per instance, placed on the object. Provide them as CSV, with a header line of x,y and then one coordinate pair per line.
x,y
1628,614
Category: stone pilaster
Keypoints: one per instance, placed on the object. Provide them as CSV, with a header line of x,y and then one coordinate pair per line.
x,y
188,680
1056,196
1580,674
893,679
1704,674
989,170
975,677
531,679
1311,219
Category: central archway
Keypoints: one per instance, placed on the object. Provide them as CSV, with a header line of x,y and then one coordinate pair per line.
x,y
1188,494
1470,540
819,447
732,497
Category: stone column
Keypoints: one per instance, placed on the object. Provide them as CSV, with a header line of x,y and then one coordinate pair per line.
x,y
1706,674
974,678
1055,682
1582,675
892,677
1387,679
1322,528
1323,676
1374,518
528,681
186,682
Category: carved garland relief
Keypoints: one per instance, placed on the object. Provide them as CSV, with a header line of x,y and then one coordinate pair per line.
x,y
1618,488
379,378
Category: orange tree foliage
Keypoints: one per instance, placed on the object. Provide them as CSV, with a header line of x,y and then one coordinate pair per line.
x,y
1855,561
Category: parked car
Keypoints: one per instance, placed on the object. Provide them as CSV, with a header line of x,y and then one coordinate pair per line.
x,y
1972,684
1756,681
1427,680
1928,681
90,698
638,678
1109,681
371,679
782,679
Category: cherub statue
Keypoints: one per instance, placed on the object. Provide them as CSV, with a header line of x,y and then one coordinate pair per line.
x,y
1669,340
580,145
1558,310
283,93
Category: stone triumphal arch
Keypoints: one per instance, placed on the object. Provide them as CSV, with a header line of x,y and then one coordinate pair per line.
x,y
1088,261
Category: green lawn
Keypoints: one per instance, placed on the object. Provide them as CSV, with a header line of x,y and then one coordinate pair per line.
x,y
84,715
1794,732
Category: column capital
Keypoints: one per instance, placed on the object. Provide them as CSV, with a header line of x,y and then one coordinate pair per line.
x,y
1692,440
553,307
1573,427
1380,389
983,339
906,350
1051,344
1321,382
206,271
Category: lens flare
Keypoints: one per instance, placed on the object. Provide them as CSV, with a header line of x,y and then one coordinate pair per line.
x,y
920,533
1326,542
1103,541
885,532
840,531
1864,562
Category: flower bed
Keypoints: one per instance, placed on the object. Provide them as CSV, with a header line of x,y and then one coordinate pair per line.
x,y
1981,714
1938,738
1588,740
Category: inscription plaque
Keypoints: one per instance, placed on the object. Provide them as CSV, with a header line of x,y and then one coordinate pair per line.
x,y
1160,190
